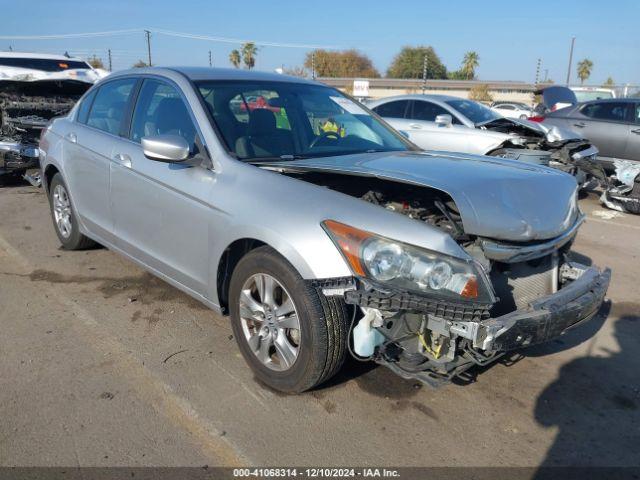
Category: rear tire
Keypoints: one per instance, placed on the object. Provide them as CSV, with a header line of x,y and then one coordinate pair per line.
x,y
65,220
320,342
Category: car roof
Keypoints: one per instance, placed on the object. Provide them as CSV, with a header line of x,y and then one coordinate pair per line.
x,y
419,96
44,56
611,100
208,73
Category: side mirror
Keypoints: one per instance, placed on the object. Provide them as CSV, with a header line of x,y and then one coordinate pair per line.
x,y
403,133
445,120
165,148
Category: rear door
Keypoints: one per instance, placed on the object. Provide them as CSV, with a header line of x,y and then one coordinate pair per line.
x,y
431,136
161,210
606,125
88,150
395,114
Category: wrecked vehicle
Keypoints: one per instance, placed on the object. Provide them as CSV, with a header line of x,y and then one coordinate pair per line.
x,y
453,124
35,88
318,240
622,190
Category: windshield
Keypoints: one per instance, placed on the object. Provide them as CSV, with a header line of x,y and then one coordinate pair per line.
x,y
587,95
474,111
46,65
267,120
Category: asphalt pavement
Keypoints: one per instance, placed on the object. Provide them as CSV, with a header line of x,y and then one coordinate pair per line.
x,y
102,364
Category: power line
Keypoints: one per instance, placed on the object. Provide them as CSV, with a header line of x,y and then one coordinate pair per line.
x,y
240,41
70,35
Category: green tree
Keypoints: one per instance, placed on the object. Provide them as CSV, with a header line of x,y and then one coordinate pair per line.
x,y
140,64
95,62
480,93
345,63
249,53
609,82
470,62
235,58
409,63
584,69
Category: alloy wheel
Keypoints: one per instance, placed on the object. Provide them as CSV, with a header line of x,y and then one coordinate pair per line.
x,y
62,211
270,322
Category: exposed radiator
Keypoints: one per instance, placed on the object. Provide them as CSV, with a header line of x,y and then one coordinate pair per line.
x,y
516,284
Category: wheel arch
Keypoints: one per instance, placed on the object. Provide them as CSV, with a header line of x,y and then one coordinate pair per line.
x,y
227,264
48,174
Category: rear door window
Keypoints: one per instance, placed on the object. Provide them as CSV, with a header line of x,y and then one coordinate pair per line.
x,y
109,106
611,111
396,109
85,106
427,111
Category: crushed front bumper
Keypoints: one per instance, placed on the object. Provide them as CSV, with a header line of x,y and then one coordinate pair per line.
x,y
15,156
546,317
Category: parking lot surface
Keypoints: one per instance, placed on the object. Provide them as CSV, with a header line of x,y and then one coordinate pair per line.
x,y
103,364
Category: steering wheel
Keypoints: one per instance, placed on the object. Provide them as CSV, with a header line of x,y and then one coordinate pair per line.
x,y
323,135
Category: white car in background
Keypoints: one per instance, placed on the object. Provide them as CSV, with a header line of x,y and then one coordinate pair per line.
x,y
512,110
453,124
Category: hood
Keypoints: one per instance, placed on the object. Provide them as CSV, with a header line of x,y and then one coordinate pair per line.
x,y
497,198
84,75
551,133
557,97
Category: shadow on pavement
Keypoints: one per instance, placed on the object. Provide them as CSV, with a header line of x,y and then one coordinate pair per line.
x,y
595,402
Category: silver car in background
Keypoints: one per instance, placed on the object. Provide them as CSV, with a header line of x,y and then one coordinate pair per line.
x,y
315,226
453,124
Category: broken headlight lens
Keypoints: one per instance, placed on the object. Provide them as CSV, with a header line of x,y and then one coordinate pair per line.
x,y
396,264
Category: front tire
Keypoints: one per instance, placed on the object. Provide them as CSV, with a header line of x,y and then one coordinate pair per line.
x,y
65,220
290,334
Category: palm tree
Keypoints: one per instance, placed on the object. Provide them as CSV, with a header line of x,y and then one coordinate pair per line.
x,y
234,58
249,52
584,69
469,64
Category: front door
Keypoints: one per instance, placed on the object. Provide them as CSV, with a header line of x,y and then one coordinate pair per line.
x,y
161,210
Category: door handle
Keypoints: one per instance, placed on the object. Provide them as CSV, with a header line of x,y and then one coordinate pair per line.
x,y
580,125
123,159
415,126
72,137
636,131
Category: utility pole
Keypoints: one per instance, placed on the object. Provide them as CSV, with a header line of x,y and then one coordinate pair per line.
x,y
538,71
313,65
110,64
425,64
573,41
148,35
210,61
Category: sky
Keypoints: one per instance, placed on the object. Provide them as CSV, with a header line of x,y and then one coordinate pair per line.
x,y
509,36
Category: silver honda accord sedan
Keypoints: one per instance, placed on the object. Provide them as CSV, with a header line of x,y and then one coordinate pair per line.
x,y
315,226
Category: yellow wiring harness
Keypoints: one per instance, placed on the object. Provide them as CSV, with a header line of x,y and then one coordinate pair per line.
x,y
435,352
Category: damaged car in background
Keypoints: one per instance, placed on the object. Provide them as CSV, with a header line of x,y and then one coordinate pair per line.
x,y
453,124
316,227
34,88
613,125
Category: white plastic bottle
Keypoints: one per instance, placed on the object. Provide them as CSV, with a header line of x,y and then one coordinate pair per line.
x,y
365,337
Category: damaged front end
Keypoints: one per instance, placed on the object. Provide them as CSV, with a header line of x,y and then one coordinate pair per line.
x,y
26,107
431,316
622,190
549,146
433,339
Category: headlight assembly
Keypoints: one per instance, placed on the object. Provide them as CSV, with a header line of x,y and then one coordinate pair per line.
x,y
401,266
